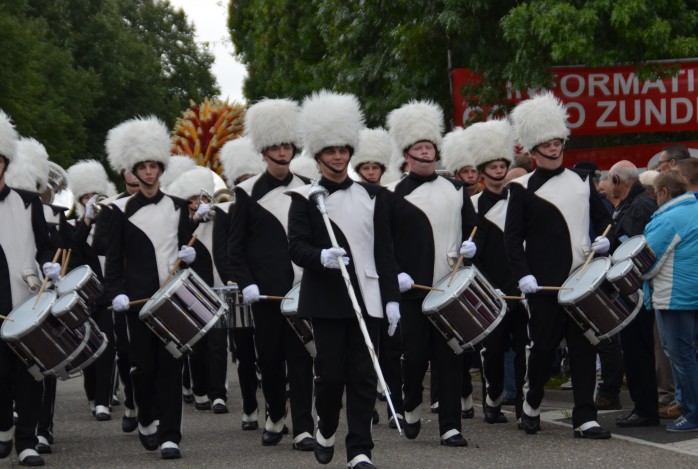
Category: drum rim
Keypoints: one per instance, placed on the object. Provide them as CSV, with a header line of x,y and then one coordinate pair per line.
x,y
591,288
71,296
296,299
633,252
84,279
8,325
624,267
453,295
163,293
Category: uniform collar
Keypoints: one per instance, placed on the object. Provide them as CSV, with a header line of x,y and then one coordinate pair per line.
x,y
333,186
278,182
419,178
153,200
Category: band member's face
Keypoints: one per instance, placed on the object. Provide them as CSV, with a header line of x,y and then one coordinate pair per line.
x,y
282,153
425,151
548,155
131,182
193,204
468,175
371,172
335,157
149,172
85,198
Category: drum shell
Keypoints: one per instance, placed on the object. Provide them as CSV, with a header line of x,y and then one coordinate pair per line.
x,y
83,281
239,315
71,310
95,342
637,249
628,283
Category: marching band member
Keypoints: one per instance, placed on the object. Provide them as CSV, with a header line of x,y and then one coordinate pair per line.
x,y
87,180
258,250
145,232
240,162
329,125
488,147
23,241
546,237
208,360
434,213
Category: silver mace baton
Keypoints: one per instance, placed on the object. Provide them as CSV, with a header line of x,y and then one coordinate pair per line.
x,y
318,194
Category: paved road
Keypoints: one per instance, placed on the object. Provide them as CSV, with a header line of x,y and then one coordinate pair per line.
x,y
217,441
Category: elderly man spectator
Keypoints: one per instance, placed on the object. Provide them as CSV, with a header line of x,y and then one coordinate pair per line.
x,y
671,155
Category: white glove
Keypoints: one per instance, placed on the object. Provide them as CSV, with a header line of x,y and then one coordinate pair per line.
x,y
528,284
250,294
404,281
601,245
187,254
90,207
468,249
52,270
392,312
31,280
203,213
499,292
120,303
328,257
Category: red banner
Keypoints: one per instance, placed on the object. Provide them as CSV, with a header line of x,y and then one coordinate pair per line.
x,y
605,157
608,100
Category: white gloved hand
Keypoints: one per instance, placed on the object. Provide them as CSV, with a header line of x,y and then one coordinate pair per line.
x,y
528,284
52,270
203,213
328,257
90,208
250,294
404,281
120,303
601,245
468,249
187,254
31,280
392,312
499,292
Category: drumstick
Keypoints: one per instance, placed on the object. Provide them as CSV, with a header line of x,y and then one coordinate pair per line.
x,y
424,287
65,253
507,297
272,297
591,254
460,259
6,318
45,282
179,260
556,288
131,303
66,261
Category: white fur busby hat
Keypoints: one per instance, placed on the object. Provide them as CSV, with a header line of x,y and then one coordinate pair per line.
x,y
539,119
329,119
176,166
375,146
414,122
191,183
479,144
138,140
305,166
239,158
272,122
86,177
29,169
8,137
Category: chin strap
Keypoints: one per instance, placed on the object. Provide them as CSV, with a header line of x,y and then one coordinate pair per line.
x,y
421,160
143,182
548,157
336,171
280,163
497,179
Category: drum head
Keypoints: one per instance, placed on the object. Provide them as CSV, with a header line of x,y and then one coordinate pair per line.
x,y
435,300
25,317
65,303
593,276
75,279
290,307
630,248
620,270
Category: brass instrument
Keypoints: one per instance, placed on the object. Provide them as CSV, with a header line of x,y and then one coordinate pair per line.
x,y
57,191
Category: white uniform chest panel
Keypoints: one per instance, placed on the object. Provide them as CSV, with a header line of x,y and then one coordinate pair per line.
x,y
570,195
441,203
160,223
52,218
204,233
497,215
18,244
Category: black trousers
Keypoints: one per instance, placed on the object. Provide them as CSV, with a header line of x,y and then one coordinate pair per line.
x,y
98,377
637,340
123,363
18,387
241,342
281,356
157,380
422,344
611,357
511,333
208,364
48,406
343,364
390,360
548,324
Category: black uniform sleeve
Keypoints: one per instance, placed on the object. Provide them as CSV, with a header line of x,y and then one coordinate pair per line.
x,y
383,251
221,228
114,263
237,240
186,227
44,252
515,231
469,220
600,218
300,235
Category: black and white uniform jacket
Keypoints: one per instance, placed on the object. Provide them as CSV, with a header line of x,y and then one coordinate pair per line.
x,y
24,242
258,246
491,258
551,211
60,232
144,239
431,217
359,216
212,241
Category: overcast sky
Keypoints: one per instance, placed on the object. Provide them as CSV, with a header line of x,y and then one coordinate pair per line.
x,y
209,18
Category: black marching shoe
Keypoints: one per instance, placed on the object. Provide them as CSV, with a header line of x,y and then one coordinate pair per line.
x,y
412,429
128,424
249,426
43,446
393,425
593,433
633,419
202,405
323,454
5,449
306,444
271,438
363,465
149,442
31,459
170,451
493,414
467,414
219,406
455,440
531,425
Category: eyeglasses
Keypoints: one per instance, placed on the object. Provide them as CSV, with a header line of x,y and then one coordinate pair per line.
x,y
665,161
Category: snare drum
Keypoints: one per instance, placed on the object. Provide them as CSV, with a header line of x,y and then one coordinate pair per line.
x,y
302,327
239,315
595,305
46,345
637,249
182,312
71,310
625,277
467,311
84,281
